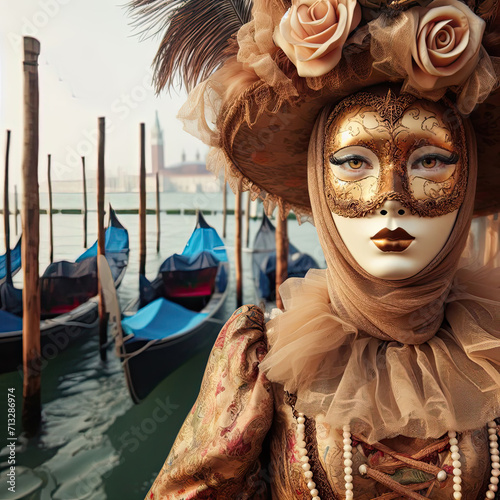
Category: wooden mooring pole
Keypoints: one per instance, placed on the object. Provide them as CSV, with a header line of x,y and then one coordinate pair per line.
x,y
247,219
281,253
31,413
224,209
6,214
157,213
142,202
16,210
85,210
238,262
101,235
51,226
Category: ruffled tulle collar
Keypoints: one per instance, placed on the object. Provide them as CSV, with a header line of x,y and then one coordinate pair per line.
x,y
386,388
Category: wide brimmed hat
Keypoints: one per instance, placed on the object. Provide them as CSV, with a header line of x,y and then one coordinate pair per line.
x,y
268,68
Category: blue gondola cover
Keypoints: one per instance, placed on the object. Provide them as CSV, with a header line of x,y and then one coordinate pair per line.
x,y
204,238
116,240
264,260
10,322
192,262
190,278
160,319
15,260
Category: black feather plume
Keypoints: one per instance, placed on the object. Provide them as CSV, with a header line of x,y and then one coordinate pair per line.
x,y
196,35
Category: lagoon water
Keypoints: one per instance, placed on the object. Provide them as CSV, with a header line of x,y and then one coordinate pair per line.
x,y
94,442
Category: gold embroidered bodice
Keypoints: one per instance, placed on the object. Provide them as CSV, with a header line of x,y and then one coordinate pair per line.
x,y
239,440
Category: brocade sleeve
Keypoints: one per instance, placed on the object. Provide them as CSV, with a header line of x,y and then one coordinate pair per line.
x,y
216,453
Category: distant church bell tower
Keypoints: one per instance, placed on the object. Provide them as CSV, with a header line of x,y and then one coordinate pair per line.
x,y
157,147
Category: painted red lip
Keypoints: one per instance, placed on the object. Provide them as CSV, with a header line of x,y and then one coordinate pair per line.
x,y
396,240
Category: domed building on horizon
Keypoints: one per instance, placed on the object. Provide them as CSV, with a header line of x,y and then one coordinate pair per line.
x,y
187,176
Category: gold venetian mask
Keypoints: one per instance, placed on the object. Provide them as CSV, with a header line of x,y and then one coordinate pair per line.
x,y
381,148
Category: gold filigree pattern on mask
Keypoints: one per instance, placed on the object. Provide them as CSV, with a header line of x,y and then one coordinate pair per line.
x,y
413,152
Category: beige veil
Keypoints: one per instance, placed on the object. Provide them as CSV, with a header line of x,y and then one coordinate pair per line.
x,y
414,357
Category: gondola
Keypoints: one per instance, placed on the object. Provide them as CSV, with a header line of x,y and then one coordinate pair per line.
x,y
176,315
69,307
264,262
15,261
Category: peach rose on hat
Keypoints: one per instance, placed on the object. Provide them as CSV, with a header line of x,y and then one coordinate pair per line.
x,y
433,49
447,45
312,33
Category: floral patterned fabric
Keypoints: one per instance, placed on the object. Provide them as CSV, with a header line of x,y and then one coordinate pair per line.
x,y
239,440
216,453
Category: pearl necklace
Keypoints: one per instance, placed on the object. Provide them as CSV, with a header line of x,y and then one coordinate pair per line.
x,y
363,469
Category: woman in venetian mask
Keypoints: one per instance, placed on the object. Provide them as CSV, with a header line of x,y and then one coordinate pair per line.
x,y
382,377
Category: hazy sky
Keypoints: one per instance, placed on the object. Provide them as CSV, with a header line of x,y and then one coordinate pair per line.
x,y
91,64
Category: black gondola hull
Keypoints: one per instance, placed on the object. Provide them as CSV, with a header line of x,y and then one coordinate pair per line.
x,y
61,331
145,371
149,359
55,337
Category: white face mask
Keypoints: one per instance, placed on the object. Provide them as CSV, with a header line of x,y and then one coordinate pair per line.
x,y
394,184
413,244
